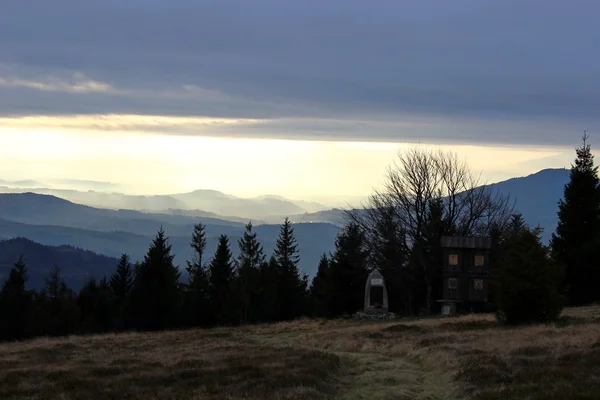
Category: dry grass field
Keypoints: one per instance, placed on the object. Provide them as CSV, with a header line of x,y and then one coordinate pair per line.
x,y
457,358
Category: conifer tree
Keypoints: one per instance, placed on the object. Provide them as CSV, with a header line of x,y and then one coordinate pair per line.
x,y
576,242
15,303
57,312
156,296
121,281
528,280
321,289
349,270
119,290
251,257
86,301
94,306
221,279
267,299
286,251
195,268
197,291
291,287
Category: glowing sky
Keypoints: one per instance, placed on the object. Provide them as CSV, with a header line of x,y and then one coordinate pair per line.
x,y
51,149
305,99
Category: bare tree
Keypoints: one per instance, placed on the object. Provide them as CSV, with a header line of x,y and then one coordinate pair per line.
x,y
428,194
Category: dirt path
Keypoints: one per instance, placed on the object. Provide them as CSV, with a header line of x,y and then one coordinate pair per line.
x,y
366,371
380,377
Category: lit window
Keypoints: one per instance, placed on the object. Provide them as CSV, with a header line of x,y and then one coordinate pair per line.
x,y
479,260
453,259
452,283
478,284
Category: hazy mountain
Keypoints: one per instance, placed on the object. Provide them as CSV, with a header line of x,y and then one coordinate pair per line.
x,y
212,202
334,216
205,215
75,264
105,199
53,221
31,208
136,234
308,206
535,195
225,204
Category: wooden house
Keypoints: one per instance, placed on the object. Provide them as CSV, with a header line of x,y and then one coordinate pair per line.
x,y
465,269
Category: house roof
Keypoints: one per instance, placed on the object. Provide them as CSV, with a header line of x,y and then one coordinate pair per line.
x,y
467,242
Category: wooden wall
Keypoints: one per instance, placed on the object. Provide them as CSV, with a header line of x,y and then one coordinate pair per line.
x,y
466,272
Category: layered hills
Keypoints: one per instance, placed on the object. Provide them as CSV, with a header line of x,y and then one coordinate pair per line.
x,y
109,224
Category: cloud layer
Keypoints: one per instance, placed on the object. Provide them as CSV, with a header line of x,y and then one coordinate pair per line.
x,y
385,70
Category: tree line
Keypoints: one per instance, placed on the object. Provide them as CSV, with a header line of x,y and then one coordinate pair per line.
x,y
426,195
150,295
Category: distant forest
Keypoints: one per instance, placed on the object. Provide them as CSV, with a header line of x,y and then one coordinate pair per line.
x,y
76,265
427,195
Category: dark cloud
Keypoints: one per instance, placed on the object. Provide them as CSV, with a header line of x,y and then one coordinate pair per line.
x,y
468,61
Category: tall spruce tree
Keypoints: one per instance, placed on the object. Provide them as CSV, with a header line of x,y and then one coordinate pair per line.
x,y
321,290
197,294
349,270
221,280
119,290
291,287
156,296
576,242
15,303
251,257
195,268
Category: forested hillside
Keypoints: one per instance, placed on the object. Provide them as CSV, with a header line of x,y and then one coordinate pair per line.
x,y
76,264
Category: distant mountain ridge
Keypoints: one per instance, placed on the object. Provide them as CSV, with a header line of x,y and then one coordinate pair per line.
x,y
53,221
334,216
50,220
536,196
32,208
208,201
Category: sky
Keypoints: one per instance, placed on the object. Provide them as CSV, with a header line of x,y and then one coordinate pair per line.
x,y
306,99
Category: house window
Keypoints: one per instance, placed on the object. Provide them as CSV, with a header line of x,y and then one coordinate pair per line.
x,y
478,284
452,283
453,260
479,259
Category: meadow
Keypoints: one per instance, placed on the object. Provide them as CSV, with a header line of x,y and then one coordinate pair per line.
x,y
467,357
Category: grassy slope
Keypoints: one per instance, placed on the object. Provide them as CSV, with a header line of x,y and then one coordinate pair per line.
x,y
466,357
